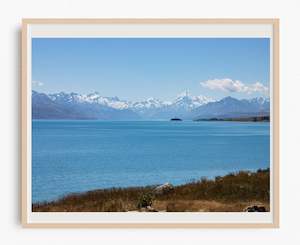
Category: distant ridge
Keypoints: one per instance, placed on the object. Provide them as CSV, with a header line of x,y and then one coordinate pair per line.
x,y
96,107
231,107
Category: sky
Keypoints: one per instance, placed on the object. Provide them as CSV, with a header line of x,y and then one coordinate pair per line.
x,y
138,68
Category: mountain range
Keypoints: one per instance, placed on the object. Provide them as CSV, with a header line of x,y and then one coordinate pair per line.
x,y
95,106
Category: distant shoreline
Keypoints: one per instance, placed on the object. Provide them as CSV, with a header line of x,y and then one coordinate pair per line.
x,y
233,192
237,119
160,120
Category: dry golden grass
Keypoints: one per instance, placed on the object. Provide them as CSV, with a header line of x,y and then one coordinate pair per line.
x,y
204,206
230,193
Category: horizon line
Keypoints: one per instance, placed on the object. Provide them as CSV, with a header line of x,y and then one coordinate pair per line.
x,y
186,94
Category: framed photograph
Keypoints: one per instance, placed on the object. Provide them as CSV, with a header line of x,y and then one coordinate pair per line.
x,y
150,123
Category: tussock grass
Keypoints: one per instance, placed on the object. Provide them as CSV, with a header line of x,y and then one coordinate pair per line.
x,y
232,192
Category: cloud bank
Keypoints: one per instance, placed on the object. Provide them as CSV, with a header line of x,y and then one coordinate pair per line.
x,y
229,85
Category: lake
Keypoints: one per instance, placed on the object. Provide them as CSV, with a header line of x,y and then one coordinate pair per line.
x,y
76,156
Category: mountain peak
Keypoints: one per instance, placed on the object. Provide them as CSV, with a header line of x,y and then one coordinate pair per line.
x,y
187,101
185,105
183,94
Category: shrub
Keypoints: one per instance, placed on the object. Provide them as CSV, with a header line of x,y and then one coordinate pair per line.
x,y
145,200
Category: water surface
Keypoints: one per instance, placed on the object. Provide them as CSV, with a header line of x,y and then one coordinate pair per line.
x,y
76,156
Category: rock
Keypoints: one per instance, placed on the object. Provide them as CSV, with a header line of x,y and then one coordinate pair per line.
x,y
148,209
255,208
163,189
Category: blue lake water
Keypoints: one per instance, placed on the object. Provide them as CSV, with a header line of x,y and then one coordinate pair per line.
x,y
76,156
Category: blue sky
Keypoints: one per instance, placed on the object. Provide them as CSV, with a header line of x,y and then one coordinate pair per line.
x,y
139,68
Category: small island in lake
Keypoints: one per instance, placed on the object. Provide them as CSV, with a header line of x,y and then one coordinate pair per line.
x,y
185,133
175,119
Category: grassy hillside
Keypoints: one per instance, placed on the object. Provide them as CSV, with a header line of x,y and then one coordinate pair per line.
x,y
231,193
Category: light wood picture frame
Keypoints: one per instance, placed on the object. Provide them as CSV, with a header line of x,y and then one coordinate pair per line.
x,y
49,28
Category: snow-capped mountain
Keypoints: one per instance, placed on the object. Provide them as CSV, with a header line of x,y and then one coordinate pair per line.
x,y
93,98
75,106
231,107
181,106
150,103
182,101
95,106
188,102
262,103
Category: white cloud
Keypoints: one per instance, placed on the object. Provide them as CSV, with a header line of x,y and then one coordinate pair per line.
x,y
37,84
229,85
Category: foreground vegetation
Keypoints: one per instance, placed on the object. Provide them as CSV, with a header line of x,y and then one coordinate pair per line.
x,y
231,193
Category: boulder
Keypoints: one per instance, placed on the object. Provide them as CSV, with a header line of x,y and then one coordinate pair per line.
x,y
255,208
163,189
148,209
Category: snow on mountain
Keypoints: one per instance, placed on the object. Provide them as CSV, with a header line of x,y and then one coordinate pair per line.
x,y
229,106
93,98
150,103
63,97
260,101
188,102
185,106
113,102
182,101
